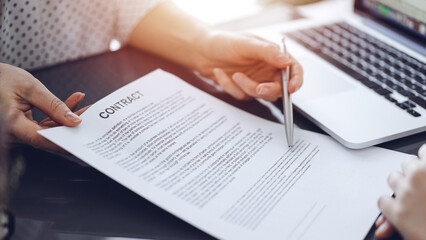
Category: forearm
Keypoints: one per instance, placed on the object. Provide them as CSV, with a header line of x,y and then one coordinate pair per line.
x,y
170,33
244,65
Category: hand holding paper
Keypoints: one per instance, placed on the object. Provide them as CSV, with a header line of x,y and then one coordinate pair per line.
x,y
226,171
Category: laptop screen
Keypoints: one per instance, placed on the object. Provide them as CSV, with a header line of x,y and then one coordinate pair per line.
x,y
406,15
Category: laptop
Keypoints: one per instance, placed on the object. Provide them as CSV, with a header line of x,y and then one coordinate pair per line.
x,y
365,75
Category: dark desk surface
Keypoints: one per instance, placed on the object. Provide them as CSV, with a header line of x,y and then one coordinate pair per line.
x,y
61,198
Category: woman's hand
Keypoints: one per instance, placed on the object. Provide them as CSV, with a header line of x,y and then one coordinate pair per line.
x,y
407,211
246,66
384,229
19,93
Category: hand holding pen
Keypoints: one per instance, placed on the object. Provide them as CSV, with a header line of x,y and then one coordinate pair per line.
x,y
287,104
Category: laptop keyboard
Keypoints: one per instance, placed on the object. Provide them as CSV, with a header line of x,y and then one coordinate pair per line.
x,y
375,64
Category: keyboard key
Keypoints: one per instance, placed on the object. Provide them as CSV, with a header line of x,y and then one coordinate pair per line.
x,y
408,104
386,81
364,57
382,79
414,113
420,79
402,79
407,71
403,106
398,78
411,95
382,91
388,60
404,92
415,87
388,97
391,84
421,102
387,71
371,84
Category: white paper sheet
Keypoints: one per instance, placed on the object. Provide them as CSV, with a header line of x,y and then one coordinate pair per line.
x,y
225,171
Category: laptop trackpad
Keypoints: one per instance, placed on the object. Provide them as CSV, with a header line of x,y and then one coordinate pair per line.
x,y
320,80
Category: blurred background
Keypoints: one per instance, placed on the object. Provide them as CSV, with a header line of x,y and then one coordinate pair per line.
x,y
241,15
245,14
236,14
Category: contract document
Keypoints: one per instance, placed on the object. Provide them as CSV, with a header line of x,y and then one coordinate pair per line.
x,y
225,171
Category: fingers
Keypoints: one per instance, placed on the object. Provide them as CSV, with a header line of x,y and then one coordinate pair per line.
x,y
296,77
394,180
272,90
387,205
228,85
409,164
26,131
29,115
81,111
270,53
269,91
246,84
385,230
48,123
257,49
43,99
381,219
73,100
422,152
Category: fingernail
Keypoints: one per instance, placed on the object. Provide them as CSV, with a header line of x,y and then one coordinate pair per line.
x,y
262,91
381,228
82,95
72,117
283,59
294,85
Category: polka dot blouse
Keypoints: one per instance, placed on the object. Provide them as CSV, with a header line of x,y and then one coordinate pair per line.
x,y
38,33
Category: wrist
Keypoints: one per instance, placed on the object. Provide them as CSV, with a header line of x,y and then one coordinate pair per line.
x,y
206,50
201,48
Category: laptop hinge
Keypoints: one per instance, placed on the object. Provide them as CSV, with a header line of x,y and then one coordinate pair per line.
x,y
397,36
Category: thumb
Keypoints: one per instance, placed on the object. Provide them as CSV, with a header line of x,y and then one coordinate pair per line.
x,y
40,97
263,50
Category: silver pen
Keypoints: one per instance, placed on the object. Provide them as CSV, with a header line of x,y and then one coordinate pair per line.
x,y
287,104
